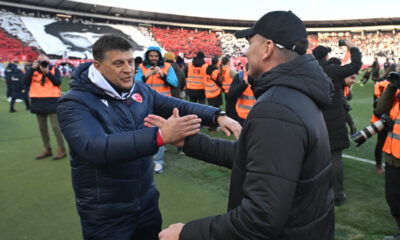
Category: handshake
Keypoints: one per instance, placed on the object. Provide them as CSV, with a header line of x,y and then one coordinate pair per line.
x,y
175,129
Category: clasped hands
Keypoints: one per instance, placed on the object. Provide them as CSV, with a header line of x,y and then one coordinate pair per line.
x,y
175,129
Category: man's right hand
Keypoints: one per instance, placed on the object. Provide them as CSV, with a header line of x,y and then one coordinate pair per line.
x,y
175,129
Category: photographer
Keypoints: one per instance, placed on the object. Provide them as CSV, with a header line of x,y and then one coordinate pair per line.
x,y
334,114
390,101
44,82
160,76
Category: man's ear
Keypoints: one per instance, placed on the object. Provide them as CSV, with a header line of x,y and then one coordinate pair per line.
x,y
268,48
97,64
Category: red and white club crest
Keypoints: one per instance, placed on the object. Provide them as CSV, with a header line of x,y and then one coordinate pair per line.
x,y
137,97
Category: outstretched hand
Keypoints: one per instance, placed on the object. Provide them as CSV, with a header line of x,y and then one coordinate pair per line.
x,y
172,232
175,129
228,126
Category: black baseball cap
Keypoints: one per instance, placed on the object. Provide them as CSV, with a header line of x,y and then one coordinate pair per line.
x,y
284,28
320,52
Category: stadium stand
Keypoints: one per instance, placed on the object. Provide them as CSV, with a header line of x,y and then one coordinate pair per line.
x,y
13,25
187,41
13,49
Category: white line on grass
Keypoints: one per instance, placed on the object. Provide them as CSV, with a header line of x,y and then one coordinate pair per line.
x,y
360,159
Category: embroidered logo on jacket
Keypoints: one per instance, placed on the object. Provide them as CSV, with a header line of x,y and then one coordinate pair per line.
x,y
105,102
137,97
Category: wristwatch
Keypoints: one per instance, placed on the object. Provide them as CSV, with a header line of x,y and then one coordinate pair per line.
x,y
218,114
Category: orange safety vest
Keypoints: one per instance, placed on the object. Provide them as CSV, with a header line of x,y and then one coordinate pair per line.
x,y
155,81
392,143
346,91
245,101
379,87
196,77
211,88
226,78
47,90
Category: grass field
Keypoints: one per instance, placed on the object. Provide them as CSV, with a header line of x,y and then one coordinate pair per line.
x,y
37,201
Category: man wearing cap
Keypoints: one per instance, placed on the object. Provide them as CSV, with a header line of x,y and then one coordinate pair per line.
x,y
334,114
280,184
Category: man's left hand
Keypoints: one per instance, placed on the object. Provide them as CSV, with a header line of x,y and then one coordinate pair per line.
x,y
228,126
172,232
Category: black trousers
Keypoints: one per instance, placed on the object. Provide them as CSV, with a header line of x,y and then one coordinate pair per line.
x,y
337,174
392,190
379,145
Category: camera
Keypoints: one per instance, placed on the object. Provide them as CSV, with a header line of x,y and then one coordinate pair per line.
x,y
342,42
394,79
44,64
362,136
153,64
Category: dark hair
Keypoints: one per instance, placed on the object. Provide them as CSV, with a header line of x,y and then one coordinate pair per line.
x,y
335,61
107,43
225,60
138,60
214,60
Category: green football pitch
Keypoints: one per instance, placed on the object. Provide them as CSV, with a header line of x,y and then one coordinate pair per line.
x,y
37,200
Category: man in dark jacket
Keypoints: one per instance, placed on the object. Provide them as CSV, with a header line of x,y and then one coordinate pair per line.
x,y
280,185
17,87
44,81
334,114
11,66
102,118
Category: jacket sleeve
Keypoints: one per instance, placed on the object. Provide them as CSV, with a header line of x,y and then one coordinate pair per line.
x,y
237,87
213,150
164,105
28,76
86,136
348,69
275,150
171,77
384,102
56,78
139,75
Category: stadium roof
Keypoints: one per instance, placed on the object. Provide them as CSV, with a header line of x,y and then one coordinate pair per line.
x,y
129,15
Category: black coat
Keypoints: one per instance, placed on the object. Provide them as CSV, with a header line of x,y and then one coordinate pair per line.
x,y
334,113
280,184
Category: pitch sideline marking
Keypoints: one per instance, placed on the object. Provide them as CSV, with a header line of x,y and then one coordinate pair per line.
x,y
360,159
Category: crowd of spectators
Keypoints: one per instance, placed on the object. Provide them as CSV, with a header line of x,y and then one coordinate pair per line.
x,y
187,41
372,44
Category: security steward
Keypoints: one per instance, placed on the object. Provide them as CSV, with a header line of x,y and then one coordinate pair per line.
x,y
195,72
44,83
241,95
157,73
227,76
379,87
246,99
390,101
